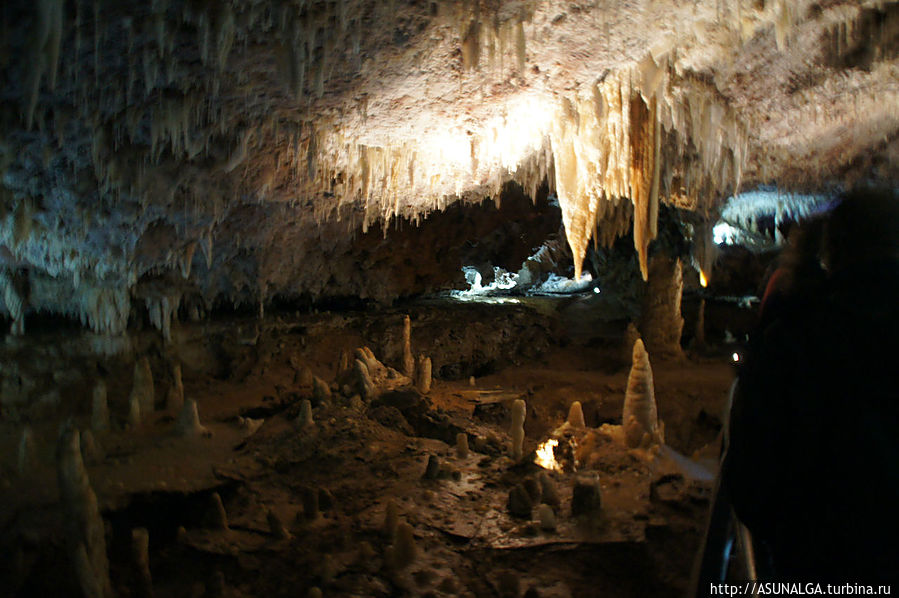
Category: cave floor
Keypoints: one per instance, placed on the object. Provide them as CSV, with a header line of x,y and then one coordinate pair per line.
x,y
360,456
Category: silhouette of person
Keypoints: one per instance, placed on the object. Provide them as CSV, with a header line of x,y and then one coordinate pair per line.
x,y
812,465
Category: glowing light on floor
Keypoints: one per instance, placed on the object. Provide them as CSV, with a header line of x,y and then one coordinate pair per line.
x,y
545,457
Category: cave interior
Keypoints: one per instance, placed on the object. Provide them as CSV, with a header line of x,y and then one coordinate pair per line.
x,y
399,297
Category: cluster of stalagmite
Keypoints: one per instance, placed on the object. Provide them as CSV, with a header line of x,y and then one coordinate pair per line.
x,y
85,535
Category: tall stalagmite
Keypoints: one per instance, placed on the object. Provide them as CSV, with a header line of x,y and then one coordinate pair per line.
x,y
85,533
640,416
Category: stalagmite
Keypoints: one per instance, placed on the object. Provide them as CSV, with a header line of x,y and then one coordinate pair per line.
x,y
310,496
304,419
520,503
26,455
547,517
404,549
548,492
391,518
174,399
699,334
85,532
519,409
408,360
432,469
134,415
661,322
188,422
216,517
99,408
423,374
462,445
364,383
639,399
140,561
304,377
276,526
586,496
576,416
321,392
343,362
91,451
142,389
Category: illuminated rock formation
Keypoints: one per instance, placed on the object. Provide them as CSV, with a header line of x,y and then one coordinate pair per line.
x,y
640,416
197,153
516,430
85,535
408,360
576,416
661,323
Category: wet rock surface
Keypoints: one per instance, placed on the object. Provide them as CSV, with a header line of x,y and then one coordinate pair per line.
x,y
278,510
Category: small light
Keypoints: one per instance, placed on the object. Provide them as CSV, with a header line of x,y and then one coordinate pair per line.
x,y
596,290
703,281
735,357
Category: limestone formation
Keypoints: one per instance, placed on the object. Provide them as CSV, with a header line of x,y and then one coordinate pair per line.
x,y
432,470
408,360
276,526
520,503
304,377
404,549
321,392
639,399
249,425
311,510
547,517
188,422
142,389
462,445
364,382
84,529
134,411
140,561
576,416
661,323
304,419
532,486
699,333
391,518
26,454
99,408
586,496
423,374
343,362
549,494
174,399
216,517
516,431
91,451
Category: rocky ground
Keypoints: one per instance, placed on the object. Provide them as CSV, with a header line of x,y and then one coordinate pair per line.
x,y
333,504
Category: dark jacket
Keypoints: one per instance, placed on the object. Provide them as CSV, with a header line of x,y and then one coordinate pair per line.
x,y
812,466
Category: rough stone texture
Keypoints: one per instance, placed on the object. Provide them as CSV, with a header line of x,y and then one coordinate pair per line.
x,y
661,321
158,157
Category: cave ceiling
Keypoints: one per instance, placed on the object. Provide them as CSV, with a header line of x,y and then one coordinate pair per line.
x,y
173,153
